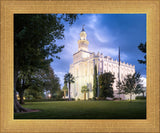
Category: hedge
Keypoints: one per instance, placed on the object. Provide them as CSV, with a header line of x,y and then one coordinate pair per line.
x,y
140,97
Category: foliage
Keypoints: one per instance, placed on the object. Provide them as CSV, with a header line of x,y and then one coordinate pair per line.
x,y
65,89
68,78
32,93
106,81
29,80
38,34
84,90
101,98
44,100
140,97
132,84
35,45
51,83
59,94
119,87
117,98
142,48
94,98
95,82
78,99
35,38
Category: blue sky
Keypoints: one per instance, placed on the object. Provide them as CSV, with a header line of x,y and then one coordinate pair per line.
x,y
105,33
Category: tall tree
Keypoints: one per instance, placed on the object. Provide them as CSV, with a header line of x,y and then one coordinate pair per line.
x,y
95,82
51,83
22,84
84,90
142,48
106,81
68,78
65,89
35,45
28,80
132,84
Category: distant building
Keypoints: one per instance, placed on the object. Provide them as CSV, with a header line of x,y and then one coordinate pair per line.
x,y
83,64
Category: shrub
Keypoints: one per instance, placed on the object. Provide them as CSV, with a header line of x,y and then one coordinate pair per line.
x,y
94,98
140,98
90,99
117,98
101,98
52,99
29,97
39,97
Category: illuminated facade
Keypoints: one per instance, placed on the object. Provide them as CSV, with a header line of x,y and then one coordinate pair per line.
x,y
83,64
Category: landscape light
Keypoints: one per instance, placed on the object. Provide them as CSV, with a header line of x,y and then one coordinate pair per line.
x,y
49,95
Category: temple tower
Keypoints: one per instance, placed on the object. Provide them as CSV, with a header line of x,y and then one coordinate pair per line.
x,y
83,42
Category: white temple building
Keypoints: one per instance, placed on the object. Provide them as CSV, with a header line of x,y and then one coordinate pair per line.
x,y
82,69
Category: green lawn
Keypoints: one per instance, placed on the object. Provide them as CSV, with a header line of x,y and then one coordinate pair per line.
x,y
85,110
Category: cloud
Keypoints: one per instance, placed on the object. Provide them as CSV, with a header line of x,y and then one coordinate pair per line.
x,y
92,21
143,78
100,37
124,57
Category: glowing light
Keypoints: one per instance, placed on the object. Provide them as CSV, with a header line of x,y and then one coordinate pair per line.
x,y
49,95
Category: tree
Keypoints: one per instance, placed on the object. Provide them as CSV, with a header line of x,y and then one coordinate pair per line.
x,y
143,91
68,78
51,83
21,85
142,47
35,43
34,93
28,80
59,94
84,90
95,82
132,84
65,89
120,88
106,81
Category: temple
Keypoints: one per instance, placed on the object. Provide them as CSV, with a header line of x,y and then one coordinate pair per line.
x,y
83,64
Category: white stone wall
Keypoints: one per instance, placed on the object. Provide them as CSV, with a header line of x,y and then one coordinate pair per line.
x,y
83,69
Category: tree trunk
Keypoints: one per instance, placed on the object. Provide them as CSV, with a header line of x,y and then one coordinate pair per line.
x,y
130,97
17,106
143,94
21,97
64,94
69,92
84,96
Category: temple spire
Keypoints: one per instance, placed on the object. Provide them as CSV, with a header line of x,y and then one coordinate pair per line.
x,y
83,27
83,43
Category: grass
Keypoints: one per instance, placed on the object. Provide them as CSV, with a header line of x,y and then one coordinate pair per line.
x,y
85,110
